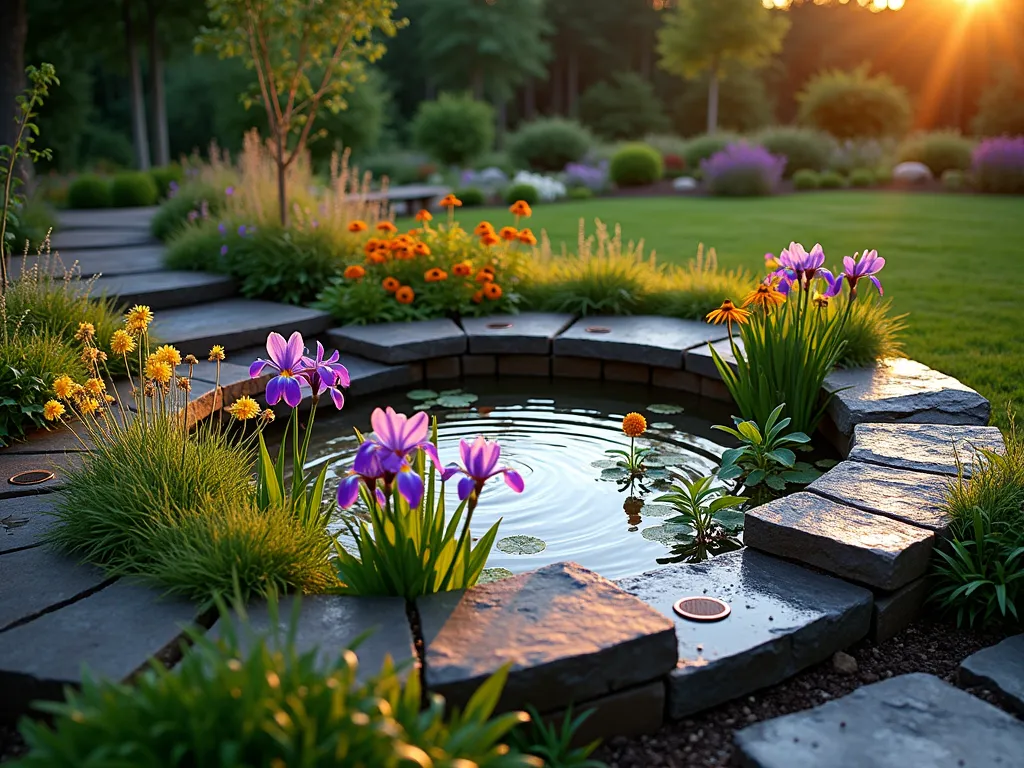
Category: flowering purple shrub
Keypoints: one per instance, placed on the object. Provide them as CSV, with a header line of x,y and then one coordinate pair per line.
x,y
743,170
998,165
594,178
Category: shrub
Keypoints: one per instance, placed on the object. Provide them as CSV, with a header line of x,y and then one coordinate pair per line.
x,y
454,129
28,223
862,177
549,144
872,333
941,151
163,176
132,189
701,148
1001,108
742,170
832,180
635,165
804,149
89,191
852,105
625,107
471,197
863,153
592,177
883,175
667,144
998,165
806,179
954,180
527,192
580,193
190,201
398,167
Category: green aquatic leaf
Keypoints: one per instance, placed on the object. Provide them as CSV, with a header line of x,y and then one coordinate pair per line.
x,y
825,463
445,392
604,463
488,575
425,406
662,425
614,473
730,519
421,394
657,510
665,408
457,401
657,474
668,533
521,545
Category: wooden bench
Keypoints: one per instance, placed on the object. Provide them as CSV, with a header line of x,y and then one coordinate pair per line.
x,y
414,196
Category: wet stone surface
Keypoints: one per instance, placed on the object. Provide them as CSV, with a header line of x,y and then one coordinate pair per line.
x,y
910,721
13,464
913,497
107,262
24,520
999,668
895,611
36,580
394,343
924,447
569,634
856,545
699,359
657,341
529,333
111,237
163,290
783,618
902,390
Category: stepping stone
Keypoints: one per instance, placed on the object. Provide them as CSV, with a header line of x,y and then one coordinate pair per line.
x,y
699,360
114,632
895,611
658,341
569,635
784,618
107,218
164,290
234,324
369,377
999,668
394,343
913,497
530,333
37,579
92,239
910,721
108,262
12,464
330,624
901,390
42,441
856,545
24,521
923,447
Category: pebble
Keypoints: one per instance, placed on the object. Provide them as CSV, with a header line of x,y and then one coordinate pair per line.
x,y
844,663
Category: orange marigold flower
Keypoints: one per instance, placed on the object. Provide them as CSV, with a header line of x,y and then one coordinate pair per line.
x,y
390,284
372,245
405,295
357,226
508,233
377,257
422,249
387,226
354,272
484,276
435,275
483,228
634,424
490,239
462,269
520,208
492,291
404,253
450,201
526,237
424,215
478,297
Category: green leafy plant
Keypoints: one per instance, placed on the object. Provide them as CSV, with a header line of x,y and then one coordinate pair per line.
x,y
995,484
703,147
832,180
764,456
806,179
623,107
707,514
163,176
522,191
941,151
472,197
635,165
861,178
173,213
553,743
803,148
871,333
130,189
549,144
89,191
855,104
455,129
580,193
1001,107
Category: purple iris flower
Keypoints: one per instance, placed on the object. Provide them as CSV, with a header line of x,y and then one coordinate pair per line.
x,y
223,250
869,265
480,464
222,229
834,282
241,230
172,189
396,438
366,469
326,375
285,358
800,266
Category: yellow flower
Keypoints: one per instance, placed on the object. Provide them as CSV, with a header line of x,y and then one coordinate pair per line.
x,y
85,332
169,355
244,408
216,353
53,410
634,424
159,371
88,405
121,343
728,313
95,387
64,387
765,296
138,318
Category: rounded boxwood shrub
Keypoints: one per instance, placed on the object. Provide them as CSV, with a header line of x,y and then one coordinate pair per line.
x,y
941,151
855,105
549,144
526,192
832,180
805,179
580,193
454,130
954,180
471,196
635,165
743,170
623,107
165,175
803,148
700,148
862,177
133,189
89,191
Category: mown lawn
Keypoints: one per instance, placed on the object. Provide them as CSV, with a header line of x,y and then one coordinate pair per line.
x,y
954,263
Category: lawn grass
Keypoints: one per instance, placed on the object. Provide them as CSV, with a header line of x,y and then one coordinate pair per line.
x,y
954,263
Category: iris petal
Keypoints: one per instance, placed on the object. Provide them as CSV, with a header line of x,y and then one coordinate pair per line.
x,y
466,486
514,480
348,491
410,485
276,348
257,366
273,393
291,390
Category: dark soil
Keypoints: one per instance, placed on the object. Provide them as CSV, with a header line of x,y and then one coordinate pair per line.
x,y
705,740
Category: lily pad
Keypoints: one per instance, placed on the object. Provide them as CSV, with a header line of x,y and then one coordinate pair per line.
x,y
662,425
614,473
657,510
730,519
665,408
457,401
668,533
521,545
657,474
446,392
488,575
422,394
425,406
604,464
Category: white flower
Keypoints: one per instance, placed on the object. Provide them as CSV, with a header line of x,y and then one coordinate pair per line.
x,y
548,188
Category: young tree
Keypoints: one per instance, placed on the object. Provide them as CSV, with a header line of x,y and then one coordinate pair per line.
x,y
703,35
306,54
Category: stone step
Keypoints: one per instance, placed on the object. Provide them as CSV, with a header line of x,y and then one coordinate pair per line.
x,y
910,721
394,343
657,341
528,333
931,448
783,619
100,239
234,324
106,218
109,262
999,668
164,290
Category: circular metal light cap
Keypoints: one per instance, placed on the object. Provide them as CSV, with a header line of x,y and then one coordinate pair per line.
x,y
598,329
702,608
499,326
31,477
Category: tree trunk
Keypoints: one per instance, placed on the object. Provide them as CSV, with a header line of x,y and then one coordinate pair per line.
x,y
13,30
530,100
573,84
161,140
713,99
282,171
139,138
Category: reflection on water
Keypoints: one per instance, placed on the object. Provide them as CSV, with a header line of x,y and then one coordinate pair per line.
x,y
556,437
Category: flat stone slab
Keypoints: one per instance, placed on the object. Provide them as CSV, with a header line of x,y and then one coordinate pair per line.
x,y
923,447
902,494
107,218
530,333
902,390
164,290
841,540
24,521
699,360
109,261
369,377
658,341
114,632
999,668
394,343
12,464
910,721
234,324
57,440
568,633
784,618
108,237
329,624
37,579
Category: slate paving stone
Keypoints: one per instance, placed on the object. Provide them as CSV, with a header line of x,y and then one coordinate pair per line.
x,y
657,341
895,611
369,377
109,237
999,668
164,290
902,390
37,579
634,712
699,360
234,324
910,721
568,633
869,549
913,497
114,631
394,343
24,520
923,447
41,441
331,623
784,618
106,262
107,218
12,464
529,333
